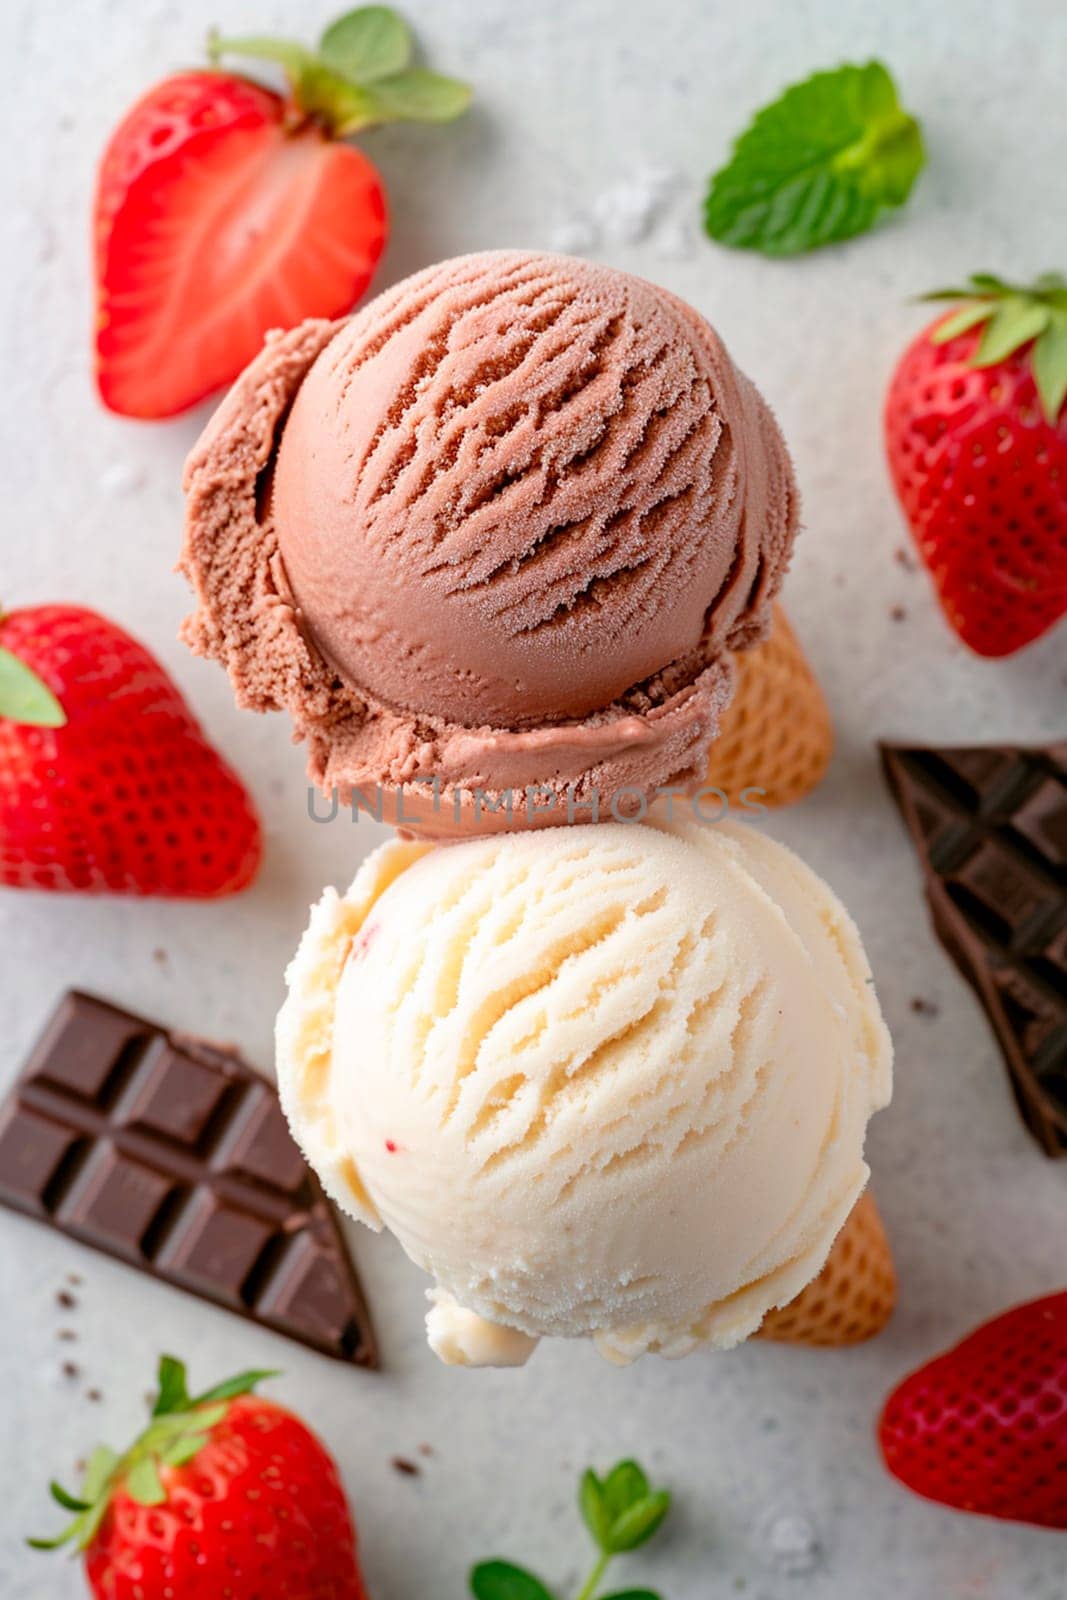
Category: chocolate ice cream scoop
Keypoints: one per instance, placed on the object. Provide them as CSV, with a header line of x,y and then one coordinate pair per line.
x,y
498,530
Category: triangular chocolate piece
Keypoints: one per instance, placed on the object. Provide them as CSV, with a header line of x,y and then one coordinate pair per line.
x,y
990,827
173,1154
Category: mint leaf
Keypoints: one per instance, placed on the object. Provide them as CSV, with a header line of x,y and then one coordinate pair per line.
x,y
623,1486
499,1580
1050,366
144,1484
419,95
818,165
632,1594
24,697
594,1511
370,43
636,1525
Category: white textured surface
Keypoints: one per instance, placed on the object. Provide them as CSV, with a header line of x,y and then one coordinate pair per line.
x,y
575,97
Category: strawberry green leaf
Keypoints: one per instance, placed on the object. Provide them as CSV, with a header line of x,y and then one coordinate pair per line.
x,y
24,697
287,53
361,75
344,105
499,1580
243,1383
173,1394
367,44
102,1463
637,1524
957,293
989,283
632,1594
184,1449
70,1532
206,1416
144,1484
1014,322
318,90
594,1510
1050,366
818,165
961,321
1015,315
623,1487
68,1501
419,95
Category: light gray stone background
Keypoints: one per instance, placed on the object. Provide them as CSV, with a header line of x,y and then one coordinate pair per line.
x,y
769,1450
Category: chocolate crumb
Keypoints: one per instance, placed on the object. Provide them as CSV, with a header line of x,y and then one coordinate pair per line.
x,y
425,1449
94,1395
925,1008
71,1369
66,1335
408,1469
160,956
76,1279
898,614
904,558
65,1299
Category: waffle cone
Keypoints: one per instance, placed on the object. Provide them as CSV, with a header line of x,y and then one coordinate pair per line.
x,y
776,733
853,1297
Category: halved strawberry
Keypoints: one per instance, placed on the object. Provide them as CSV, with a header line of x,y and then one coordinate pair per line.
x,y
216,221
224,210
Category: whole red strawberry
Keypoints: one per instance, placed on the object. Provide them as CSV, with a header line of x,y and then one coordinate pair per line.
x,y
106,781
224,210
976,432
224,1494
984,1427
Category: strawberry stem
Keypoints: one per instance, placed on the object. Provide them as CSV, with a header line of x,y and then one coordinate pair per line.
x,y
179,1428
1011,316
358,76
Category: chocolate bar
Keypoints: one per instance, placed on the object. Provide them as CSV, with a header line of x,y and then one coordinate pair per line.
x,y
173,1154
990,827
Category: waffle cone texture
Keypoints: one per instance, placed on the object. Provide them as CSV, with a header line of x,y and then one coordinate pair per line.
x,y
854,1295
776,734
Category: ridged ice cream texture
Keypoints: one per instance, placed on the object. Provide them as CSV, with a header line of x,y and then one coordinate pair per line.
x,y
609,1082
502,526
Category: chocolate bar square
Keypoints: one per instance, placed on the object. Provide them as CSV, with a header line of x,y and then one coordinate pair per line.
x,y
173,1154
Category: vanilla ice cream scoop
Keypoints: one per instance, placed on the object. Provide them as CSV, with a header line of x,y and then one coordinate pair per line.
x,y
609,1082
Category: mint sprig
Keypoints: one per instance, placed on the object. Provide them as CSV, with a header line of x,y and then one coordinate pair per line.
x,y
179,1428
360,74
621,1511
1011,315
818,165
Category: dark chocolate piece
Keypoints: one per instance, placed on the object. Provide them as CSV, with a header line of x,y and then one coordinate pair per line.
x,y
990,827
174,1155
